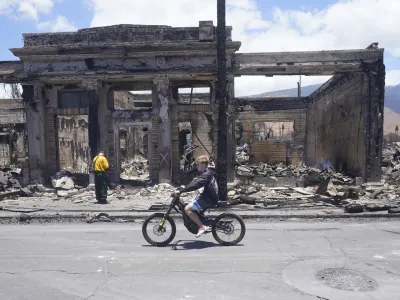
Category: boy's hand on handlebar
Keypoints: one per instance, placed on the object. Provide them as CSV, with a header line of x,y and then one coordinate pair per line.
x,y
176,193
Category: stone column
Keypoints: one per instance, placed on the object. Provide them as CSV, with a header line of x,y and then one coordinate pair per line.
x,y
214,129
52,142
33,95
162,113
175,159
92,87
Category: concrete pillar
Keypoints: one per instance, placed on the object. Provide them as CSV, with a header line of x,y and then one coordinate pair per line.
x,y
52,155
33,95
92,87
112,151
104,114
175,159
214,129
162,113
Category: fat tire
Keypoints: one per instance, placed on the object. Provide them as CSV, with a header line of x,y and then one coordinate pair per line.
x,y
242,225
167,219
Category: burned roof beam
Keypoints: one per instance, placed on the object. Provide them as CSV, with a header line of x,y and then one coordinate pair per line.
x,y
271,104
305,63
309,57
303,69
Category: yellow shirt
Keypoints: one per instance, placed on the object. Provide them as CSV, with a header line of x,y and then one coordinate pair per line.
x,y
100,163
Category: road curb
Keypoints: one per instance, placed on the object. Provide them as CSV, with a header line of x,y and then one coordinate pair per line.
x,y
131,217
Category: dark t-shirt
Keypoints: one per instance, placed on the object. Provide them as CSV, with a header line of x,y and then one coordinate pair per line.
x,y
208,181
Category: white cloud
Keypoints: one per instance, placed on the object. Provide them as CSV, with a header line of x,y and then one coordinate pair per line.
x,y
60,24
5,91
348,24
25,8
392,77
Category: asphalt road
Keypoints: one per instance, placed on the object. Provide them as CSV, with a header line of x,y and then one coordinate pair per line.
x,y
276,260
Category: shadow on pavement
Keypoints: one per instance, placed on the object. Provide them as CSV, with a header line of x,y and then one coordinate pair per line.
x,y
193,245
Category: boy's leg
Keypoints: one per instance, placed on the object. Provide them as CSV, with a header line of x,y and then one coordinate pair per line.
x,y
196,205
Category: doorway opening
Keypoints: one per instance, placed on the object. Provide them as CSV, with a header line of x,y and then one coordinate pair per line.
x,y
134,154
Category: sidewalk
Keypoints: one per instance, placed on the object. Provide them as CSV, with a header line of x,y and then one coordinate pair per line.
x,y
124,213
132,203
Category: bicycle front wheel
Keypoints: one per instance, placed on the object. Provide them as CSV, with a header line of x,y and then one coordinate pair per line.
x,y
159,230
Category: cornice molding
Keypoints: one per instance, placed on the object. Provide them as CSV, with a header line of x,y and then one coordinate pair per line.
x,y
155,54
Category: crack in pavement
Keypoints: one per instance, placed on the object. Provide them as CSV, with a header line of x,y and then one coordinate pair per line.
x,y
138,274
381,268
305,293
105,282
60,271
335,248
390,231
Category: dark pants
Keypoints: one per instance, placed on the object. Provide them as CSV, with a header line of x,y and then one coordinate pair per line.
x,y
100,182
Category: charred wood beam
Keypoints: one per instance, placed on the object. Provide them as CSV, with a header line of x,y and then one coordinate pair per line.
x,y
143,104
302,69
336,56
272,104
181,48
191,84
131,86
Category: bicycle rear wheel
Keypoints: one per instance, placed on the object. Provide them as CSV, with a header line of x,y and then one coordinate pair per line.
x,y
229,229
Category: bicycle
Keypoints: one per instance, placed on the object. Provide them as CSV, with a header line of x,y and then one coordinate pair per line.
x,y
165,224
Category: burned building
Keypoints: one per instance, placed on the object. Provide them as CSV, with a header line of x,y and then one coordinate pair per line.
x,y
75,88
13,139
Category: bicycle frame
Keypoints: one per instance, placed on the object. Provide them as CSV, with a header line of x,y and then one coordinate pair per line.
x,y
179,207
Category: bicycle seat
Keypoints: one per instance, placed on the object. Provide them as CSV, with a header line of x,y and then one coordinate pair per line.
x,y
211,207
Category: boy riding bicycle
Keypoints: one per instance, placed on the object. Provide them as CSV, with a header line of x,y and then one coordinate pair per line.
x,y
208,198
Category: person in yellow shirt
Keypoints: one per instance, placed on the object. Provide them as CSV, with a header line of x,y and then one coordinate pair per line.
x,y
100,166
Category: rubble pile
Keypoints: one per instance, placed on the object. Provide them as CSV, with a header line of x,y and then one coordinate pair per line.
x,y
137,168
9,182
323,187
391,164
329,193
308,174
164,191
242,154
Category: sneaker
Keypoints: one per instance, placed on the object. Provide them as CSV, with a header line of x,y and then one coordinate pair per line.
x,y
202,230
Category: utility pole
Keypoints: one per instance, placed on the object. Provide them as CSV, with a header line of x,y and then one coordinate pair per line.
x,y
222,147
299,87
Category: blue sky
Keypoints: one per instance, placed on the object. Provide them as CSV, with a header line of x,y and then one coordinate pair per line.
x,y
261,25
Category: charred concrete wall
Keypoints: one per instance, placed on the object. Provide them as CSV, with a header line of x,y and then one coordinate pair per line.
x,y
201,120
341,117
11,103
73,142
274,151
132,142
5,153
13,144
